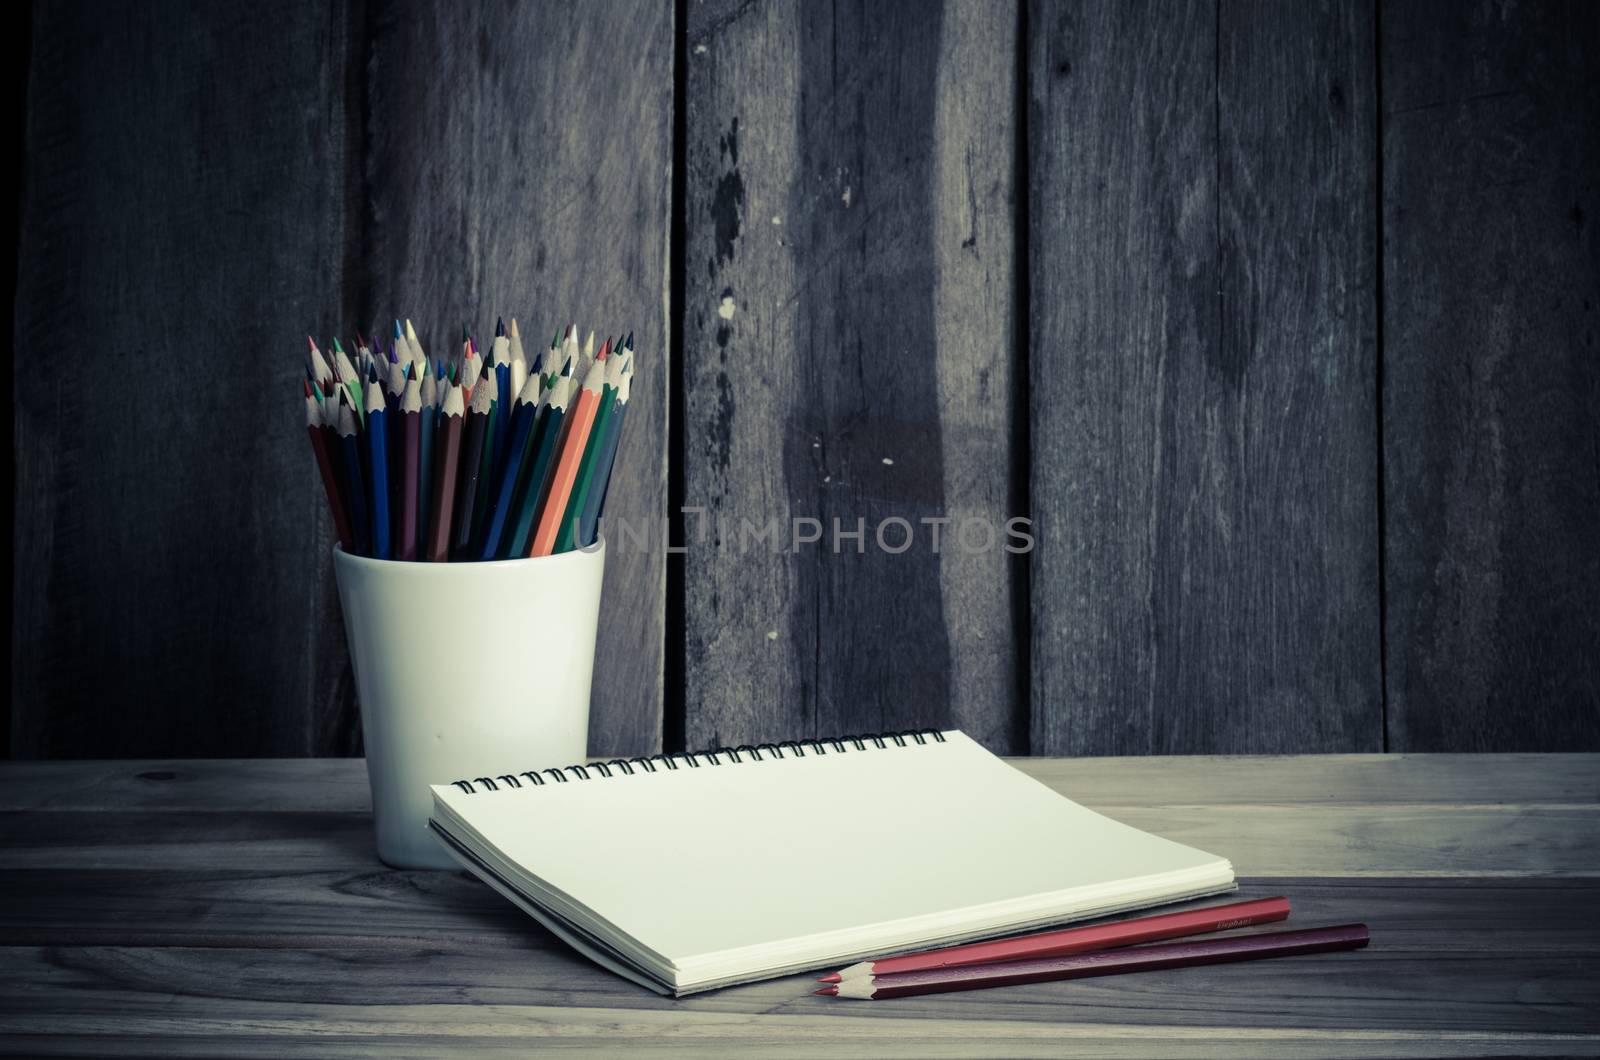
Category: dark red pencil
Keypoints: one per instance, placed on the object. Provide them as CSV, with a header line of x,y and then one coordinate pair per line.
x,y
1102,962
322,445
446,465
473,433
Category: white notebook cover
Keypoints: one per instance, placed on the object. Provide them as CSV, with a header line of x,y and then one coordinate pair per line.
x,y
692,878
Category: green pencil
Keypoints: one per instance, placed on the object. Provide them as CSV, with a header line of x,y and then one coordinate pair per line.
x,y
530,483
567,536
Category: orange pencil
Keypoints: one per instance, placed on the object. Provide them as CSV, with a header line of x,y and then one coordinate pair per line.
x,y
575,437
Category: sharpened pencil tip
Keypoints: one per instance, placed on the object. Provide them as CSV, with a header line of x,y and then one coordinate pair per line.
x,y
336,347
399,333
313,343
499,326
826,991
831,977
514,332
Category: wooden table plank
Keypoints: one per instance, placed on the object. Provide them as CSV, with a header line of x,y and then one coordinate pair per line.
x,y
340,785
430,1030
382,908
1382,988
1260,840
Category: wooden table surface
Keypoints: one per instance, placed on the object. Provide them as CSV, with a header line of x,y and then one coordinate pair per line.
x,y
224,908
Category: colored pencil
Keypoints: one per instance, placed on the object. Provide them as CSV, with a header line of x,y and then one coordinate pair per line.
x,y
597,511
394,393
473,433
448,459
349,432
1078,939
410,467
519,361
564,468
488,384
525,469
378,470
346,373
500,359
570,355
518,450
419,357
322,447
570,534
1102,962
536,470
428,424
321,374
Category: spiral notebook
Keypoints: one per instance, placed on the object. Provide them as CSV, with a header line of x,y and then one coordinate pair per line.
x,y
693,871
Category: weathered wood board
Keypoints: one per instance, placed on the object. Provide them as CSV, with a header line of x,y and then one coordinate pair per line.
x,y
848,347
1491,375
1202,379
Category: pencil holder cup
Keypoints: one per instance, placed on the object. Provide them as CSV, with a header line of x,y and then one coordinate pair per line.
x,y
464,669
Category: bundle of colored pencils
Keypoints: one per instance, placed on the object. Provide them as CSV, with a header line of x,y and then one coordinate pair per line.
x,y
467,458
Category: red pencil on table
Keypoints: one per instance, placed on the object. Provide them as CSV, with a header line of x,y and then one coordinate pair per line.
x,y
1101,962
1078,939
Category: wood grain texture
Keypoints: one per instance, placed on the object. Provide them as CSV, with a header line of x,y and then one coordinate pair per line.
x,y
1202,247
244,951
1330,841
848,329
166,499
520,164
1491,407
340,786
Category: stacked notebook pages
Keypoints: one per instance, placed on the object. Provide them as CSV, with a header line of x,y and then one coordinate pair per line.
x,y
695,871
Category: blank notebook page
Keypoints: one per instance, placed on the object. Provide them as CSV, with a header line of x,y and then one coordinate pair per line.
x,y
695,862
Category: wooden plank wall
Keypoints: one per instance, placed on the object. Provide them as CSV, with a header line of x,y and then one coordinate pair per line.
x,y
228,180
169,253
1278,320
1203,378
1491,411
848,306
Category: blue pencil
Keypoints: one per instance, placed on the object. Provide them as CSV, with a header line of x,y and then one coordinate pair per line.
x,y
355,481
534,470
517,454
378,469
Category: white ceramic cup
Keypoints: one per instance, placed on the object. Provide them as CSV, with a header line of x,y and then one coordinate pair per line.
x,y
465,670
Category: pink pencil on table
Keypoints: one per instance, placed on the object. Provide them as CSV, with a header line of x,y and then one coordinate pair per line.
x,y
1078,939
1102,962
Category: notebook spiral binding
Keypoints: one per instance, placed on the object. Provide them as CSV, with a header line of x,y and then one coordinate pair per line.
x,y
691,759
